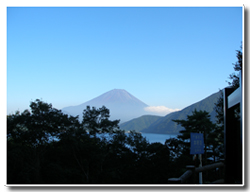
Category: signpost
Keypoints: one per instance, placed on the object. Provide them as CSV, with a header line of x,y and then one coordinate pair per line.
x,y
197,147
197,143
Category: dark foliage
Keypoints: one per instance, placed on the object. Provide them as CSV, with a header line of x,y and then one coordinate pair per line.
x,y
237,67
45,146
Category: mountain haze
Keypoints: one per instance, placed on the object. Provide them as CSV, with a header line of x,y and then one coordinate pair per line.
x,y
122,105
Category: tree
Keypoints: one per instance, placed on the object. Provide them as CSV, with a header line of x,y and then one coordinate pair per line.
x,y
39,126
89,153
31,133
219,105
97,121
218,133
46,146
137,143
158,163
237,67
175,146
198,122
233,84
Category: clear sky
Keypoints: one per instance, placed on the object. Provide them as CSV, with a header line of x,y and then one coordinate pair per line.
x,y
164,56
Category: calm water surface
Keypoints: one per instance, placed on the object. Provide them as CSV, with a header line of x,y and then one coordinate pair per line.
x,y
151,137
154,137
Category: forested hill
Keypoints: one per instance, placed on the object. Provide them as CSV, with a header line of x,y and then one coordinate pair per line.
x,y
139,123
165,125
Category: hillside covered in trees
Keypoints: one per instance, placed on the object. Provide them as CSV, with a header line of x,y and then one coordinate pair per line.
x,y
165,125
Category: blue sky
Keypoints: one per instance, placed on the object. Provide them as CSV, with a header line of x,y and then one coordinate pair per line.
x,y
164,56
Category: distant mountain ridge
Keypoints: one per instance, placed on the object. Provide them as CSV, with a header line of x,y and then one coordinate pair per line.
x,y
131,112
139,123
122,105
165,125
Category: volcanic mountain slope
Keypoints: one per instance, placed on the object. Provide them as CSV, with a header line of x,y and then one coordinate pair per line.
x,y
122,105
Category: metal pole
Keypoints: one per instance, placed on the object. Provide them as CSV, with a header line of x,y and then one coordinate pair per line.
x,y
200,174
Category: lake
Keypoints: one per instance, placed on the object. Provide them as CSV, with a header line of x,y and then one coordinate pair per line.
x,y
154,137
151,137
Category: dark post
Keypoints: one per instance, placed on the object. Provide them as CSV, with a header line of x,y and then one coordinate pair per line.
x,y
227,136
192,168
221,169
232,141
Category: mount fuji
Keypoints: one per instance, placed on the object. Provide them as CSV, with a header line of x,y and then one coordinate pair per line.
x,y
122,105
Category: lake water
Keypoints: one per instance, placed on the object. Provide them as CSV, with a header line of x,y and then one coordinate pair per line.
x,y
151,137
154,137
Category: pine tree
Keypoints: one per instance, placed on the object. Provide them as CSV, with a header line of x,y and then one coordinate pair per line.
x,y
198,122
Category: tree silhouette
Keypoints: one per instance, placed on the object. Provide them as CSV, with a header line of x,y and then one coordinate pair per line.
x,y
198,122
97,121
31,133
237,67
219,106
